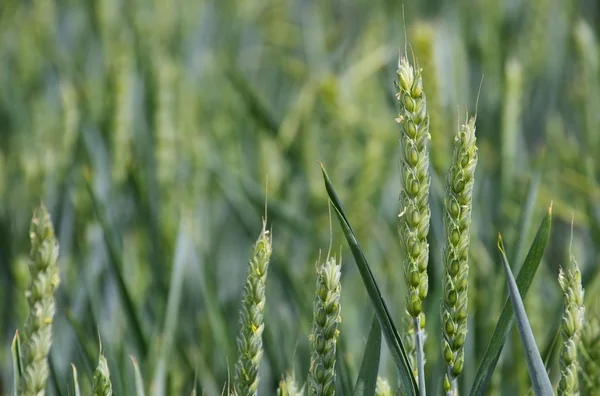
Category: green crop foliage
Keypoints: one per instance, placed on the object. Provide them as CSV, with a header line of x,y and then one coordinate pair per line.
x,y
157,136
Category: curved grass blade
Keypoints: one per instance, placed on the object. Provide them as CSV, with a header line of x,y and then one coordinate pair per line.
x,y
139,382
524,280
15,350
75,381
369,368
407,380
537,371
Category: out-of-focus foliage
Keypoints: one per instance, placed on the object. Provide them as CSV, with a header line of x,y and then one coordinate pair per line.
x,y
150,129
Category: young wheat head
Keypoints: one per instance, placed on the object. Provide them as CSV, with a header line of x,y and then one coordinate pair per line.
x,y
572,323
414,197
251,322
43,268
457,223
326,317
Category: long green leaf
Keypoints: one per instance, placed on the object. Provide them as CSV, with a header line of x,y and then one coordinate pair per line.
x,y
524,280
369,368
537,371
15,350
407,381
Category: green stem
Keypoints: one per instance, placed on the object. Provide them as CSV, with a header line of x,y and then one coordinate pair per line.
x,y
420,356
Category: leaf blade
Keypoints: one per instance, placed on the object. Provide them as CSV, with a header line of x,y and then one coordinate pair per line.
x,y
537,371
524,280
407,380
15,350
369,367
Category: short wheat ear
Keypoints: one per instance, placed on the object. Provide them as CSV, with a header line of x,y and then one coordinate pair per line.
x,y
569,279
326,317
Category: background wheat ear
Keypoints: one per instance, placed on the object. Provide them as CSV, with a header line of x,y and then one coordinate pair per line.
x,y
326,317
289,387
383,387
572,323
251,322
414,197
457,226
37,337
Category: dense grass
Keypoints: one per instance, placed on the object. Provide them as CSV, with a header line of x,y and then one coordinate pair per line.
x,y
149,130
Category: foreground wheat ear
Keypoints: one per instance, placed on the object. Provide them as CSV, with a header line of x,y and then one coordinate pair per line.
x,y
326,317
101,385
414,198
457,225
249,340
572,323
37,337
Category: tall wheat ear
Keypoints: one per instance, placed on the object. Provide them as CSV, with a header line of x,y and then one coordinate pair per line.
x,y
251,322
414,198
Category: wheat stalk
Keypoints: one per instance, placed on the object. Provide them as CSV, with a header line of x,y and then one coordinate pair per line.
x,y
457,223
251,321
43,268
326,317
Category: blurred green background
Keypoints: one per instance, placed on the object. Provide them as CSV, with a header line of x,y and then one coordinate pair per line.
x,y
154,131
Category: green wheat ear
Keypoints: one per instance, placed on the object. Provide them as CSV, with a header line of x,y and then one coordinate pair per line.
x,y
101,385
326,317
383,387
457,224
37,337
589,353
572,323
289,387
251,321
414,199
